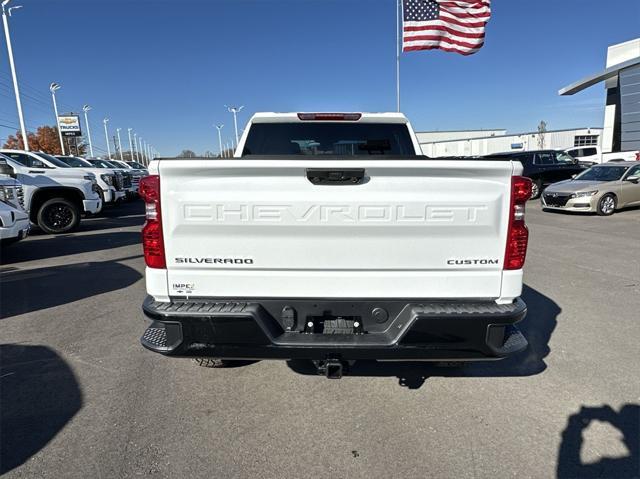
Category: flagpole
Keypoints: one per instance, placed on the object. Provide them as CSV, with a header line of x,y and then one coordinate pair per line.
x,y
398,8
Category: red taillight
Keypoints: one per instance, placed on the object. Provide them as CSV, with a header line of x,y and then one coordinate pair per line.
x,y
518,234
329,116
152,240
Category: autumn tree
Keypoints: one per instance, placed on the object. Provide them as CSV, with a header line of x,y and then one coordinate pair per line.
x,y
46,140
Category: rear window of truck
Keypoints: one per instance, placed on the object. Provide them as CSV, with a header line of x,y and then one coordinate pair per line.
x,y
331,138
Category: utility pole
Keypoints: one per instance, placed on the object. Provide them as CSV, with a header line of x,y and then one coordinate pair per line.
x,y
53,88
219,128
16,89
119,143
235,111
106,136
85,109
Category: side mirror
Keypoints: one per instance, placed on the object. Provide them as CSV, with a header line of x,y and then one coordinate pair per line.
x,y
633,179
6,169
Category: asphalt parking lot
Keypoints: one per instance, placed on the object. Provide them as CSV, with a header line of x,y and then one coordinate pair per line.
x,y
81,398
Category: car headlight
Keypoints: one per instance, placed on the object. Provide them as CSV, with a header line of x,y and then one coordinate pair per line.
x,y
108,179
583,194
91,178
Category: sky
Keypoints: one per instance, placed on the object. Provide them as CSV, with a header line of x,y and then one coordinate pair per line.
x,y
166,69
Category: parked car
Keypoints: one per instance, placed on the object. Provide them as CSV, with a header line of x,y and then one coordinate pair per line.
x,y
136,174
592,155
335,240
543,167
110,192
601,189
55,197
14,220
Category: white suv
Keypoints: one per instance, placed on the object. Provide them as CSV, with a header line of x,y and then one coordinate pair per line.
x,y
55,197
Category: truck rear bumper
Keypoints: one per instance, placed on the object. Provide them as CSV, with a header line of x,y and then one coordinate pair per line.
x,y
334,329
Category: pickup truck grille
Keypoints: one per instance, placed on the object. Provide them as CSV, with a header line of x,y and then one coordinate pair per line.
x,y
118,181
126,180
20,195
556,199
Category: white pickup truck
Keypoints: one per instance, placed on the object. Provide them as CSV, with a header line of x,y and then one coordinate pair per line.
x,y
55,197
329,237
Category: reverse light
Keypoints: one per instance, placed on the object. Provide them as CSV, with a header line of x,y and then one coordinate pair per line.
x,y
329,116
517,234
152,239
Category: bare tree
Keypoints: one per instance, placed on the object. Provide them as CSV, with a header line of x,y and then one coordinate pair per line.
x,y
542,130
187,154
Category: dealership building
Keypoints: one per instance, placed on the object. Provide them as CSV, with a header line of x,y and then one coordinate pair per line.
x,y
621,131
621,78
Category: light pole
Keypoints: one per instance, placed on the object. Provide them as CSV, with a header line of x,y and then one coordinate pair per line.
x,y
148,153
85,109
135,145
219,128
130,144
140,148
106,136
235,111
16,90
119,143
53,88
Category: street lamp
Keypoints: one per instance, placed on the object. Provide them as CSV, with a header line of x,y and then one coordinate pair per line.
x,y
106,136
140,148
130,144
53,88
16,89
119,143
85,109
219,128
235,111
135,145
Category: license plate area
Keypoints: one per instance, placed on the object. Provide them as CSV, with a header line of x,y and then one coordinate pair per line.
x,y
328,324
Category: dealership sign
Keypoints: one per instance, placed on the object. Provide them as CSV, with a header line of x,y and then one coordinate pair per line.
x,y
69,125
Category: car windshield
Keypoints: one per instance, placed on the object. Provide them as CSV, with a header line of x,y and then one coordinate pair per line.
x,y
333,138
136,165
53,160
100,164
75,162
565,159
119,164
602,173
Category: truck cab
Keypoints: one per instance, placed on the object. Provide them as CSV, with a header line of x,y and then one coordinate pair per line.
x,y
55,197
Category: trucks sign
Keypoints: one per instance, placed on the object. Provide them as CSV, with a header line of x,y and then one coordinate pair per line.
x,y
69,125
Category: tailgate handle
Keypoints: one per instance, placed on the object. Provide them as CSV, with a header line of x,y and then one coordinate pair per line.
x,y
321,176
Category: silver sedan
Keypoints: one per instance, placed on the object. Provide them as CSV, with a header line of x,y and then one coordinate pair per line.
x,y
601,189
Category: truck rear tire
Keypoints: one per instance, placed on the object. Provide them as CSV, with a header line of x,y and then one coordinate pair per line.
x,y
58,215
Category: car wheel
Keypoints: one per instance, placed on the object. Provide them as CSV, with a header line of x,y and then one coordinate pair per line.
x,y
607,205
58,215
536,189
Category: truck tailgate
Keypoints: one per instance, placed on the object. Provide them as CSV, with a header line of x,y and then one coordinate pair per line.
x,y
260,228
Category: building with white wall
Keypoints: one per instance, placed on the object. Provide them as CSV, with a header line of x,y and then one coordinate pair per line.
x,y
499,143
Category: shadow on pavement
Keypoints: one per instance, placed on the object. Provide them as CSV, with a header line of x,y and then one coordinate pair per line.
x,y
25,291
537,327
39,395
626,421
45,247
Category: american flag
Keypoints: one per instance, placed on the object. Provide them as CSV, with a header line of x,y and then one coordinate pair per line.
x,y
452,26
